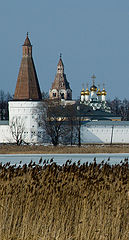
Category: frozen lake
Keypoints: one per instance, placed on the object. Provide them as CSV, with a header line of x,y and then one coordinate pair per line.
x,y
62,158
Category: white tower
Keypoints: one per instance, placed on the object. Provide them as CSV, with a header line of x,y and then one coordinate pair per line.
x,y
24,105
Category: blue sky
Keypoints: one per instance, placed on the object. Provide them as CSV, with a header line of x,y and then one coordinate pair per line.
x,y
92,35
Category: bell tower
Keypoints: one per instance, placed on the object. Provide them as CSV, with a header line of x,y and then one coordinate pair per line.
x,y
27,47
60,87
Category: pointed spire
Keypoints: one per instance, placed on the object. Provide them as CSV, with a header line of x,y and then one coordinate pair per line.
x,y
60,86
27,41
27,87
60,63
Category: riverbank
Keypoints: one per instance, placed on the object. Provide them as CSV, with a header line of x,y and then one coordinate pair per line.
x,y
39,149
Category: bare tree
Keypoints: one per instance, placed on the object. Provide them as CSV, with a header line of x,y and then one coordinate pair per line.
x,y
17,129
4,98
70,112
59,123
78,129
45,95
52,121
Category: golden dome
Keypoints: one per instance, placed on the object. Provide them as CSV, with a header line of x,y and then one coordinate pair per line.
x,y
83,92
93,88
99,93
87,92
104,92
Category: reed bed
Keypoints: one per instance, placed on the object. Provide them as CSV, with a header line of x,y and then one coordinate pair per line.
x,y
69,202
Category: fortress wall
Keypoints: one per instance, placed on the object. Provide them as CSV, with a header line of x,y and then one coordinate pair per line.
x,y
91,132
29,113
5,134
105,133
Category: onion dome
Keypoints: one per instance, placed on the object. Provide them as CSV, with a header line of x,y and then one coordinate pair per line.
x,y
104,92
87,92
93,88
99,93
83,92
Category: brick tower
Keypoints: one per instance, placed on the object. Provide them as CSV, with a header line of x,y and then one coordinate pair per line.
x,y
60,87
24,108
27,87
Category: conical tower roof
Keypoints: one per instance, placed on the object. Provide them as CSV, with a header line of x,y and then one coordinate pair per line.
x,y
27,41
60,81
27,87
60,63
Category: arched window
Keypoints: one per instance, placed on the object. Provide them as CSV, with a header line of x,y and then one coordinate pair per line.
x,y
54,94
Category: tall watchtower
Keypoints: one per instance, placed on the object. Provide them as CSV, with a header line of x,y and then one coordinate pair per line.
x,y
27,95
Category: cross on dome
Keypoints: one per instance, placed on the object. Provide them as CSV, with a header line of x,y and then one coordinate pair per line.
x,y
93,78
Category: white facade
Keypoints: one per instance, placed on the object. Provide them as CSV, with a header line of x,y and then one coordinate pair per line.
x,y
5,133
28,112
27,115
105,132
91,132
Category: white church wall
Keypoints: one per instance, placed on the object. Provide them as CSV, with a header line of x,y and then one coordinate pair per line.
x,y
105,132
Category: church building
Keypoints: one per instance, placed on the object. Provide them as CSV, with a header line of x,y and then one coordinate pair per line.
x,y
95,98
24,111
60,87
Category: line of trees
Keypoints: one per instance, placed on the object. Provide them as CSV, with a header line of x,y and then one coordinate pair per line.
x,y
120,107
4,99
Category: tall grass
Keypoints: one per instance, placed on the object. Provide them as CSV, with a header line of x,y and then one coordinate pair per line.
x,y
69,202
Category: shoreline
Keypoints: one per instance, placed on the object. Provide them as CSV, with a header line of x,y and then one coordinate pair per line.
x,y
40,149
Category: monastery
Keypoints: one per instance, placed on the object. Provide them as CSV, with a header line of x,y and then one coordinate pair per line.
x,y
99,125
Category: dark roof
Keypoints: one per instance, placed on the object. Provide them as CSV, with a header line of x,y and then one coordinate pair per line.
x,y
27,86
83,111
60,62
60,81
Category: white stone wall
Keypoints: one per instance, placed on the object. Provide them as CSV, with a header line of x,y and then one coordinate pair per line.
x,y
28,111
91,132
105,132
5,134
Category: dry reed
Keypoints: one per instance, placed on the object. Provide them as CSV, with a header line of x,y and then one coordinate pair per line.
x,y
69,202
